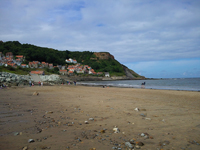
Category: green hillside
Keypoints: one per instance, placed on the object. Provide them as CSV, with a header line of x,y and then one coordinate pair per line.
x,y
43,54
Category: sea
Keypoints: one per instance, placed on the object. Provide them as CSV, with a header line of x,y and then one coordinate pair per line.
x,y
182,84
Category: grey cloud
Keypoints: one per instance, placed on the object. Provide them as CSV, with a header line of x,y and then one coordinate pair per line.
x,y
130,30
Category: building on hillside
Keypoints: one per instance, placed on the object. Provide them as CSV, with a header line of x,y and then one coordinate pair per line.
x,y
91,71
44,65
59,67
50,66
24,66
9,55
34,64
14,65
20,58
80,71
70,73
107,74
71,61
63,72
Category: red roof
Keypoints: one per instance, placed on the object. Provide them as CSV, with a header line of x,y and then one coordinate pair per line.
x,y
20,56
63,70
37,72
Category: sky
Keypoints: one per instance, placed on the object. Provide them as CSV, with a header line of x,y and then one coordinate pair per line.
x,y
155,38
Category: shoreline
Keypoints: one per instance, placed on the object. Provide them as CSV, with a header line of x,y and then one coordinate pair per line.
x,y
134,87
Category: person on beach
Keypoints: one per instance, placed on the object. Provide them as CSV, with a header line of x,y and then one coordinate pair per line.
x,y
74,82
143,85
30,83
39,83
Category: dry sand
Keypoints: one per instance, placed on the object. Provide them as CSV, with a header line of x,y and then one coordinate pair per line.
x,y
55,119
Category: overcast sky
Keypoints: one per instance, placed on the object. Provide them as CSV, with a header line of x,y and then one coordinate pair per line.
x,y
155,38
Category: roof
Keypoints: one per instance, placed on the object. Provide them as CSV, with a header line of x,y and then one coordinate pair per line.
x,y
63,70
20,56
37,72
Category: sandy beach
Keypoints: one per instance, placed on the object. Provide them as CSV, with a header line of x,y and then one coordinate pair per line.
x,y
79,117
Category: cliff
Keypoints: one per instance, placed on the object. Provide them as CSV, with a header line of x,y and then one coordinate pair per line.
x,y
103,55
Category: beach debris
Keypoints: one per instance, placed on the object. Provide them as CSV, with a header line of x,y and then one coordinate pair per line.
x,y
137,147
145,135
86,122
143,115
193,142
92,148
31,141
16,133
129,145
25,148
103,131
137,109
91,119
39,130
147,118
142,134
139,143
49,112
164,143
36,93
116,130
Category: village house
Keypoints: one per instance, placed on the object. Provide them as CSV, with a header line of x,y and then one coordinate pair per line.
x,y
71,61
44,65
107,74
63,72
24,66
20,57
70,73
34,64
91,71
80,71
14,65
59,67
9,55
50,66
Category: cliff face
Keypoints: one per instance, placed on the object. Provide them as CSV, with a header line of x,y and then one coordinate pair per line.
x,y
103,55
132,74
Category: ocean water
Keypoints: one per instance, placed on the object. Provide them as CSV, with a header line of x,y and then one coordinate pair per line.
x,y
186,84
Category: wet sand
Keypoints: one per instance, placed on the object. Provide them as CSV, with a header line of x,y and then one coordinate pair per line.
x,y
55,119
